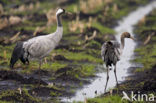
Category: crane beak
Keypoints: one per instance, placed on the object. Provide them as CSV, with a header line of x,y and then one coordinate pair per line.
x,y
132,38
68,13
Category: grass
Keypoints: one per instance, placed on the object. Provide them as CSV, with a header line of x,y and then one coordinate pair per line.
x,y
54,94
147,57
50,66
71,8
10,2
5,54
94,44
111,99
121,13
54,66
147,53
5,102
107,99
102,28
87,70
15,96
82,57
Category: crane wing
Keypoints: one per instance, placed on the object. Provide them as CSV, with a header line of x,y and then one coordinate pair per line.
x,y
38,47
115,44
103,50
117,49
110,52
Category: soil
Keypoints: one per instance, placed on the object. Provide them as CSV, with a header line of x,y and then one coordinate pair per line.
x,y
12,75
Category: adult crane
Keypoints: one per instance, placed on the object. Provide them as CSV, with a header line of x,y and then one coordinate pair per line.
x,y
111,51
38,47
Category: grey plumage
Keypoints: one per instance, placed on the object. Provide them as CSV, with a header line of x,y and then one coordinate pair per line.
x,y
38,47
110,52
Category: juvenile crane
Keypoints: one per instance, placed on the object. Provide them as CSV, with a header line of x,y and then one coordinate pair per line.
x,y
111,51
38,47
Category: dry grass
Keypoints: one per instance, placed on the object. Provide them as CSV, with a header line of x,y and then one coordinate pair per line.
x,y
106,10
115,8
91,37
108,2
142,21
1,10
76,25
38,30
12,20
89,5
23,8
90,21
3,23
14,38
51,17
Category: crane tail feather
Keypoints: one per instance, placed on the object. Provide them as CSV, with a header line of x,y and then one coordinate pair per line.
x,y
17,54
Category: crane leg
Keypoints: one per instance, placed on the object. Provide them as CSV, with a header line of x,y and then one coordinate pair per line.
x,y
115,75
107,78
40,63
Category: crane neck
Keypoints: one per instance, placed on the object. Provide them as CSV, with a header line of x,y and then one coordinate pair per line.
x,y
59,23
122,42
57,35
59,30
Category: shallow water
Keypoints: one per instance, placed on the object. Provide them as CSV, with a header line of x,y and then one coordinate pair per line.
x,y
126,24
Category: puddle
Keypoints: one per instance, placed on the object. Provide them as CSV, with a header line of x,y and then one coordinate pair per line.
x,y
8,84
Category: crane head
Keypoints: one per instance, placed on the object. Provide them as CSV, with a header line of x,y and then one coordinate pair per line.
x,y
127,35
62,11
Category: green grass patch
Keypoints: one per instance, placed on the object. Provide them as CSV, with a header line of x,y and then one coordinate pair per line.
x,y
147,57
107,99
71,8
121,13
82,57
94,44
54,65
55,94
15,96
87,70
102,28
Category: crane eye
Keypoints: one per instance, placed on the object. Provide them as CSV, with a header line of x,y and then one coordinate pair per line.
x,y
63,10
128,35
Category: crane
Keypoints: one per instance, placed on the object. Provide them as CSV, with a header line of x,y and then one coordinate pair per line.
x,y
111,52
39,47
